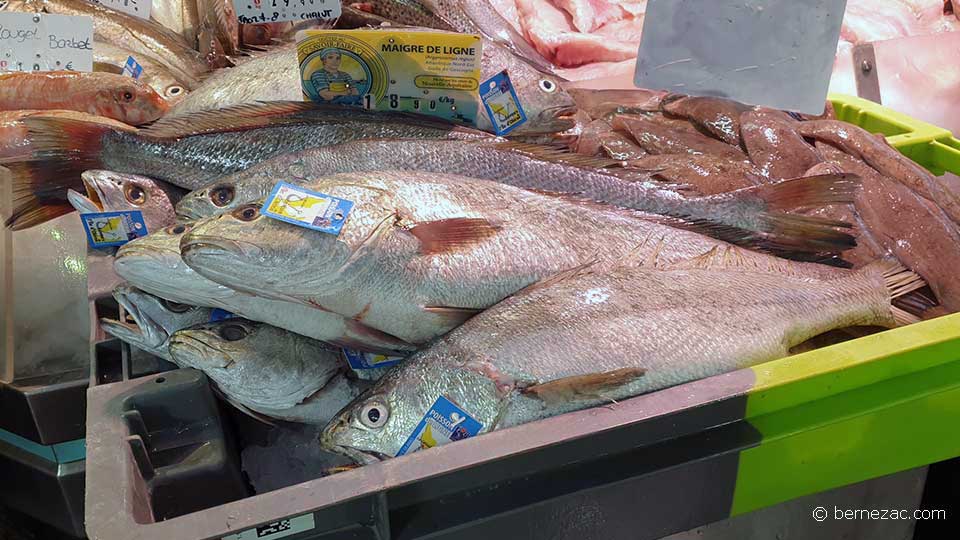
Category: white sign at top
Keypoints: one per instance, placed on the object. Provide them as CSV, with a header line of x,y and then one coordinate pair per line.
x,y
137,8
777,53
265,11
45,42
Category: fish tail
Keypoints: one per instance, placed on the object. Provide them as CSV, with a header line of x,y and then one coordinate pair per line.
x,y
62,149
806,192
903,285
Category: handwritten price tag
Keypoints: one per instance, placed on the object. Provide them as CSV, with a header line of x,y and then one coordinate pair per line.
x,y
45,42
137,8
264,11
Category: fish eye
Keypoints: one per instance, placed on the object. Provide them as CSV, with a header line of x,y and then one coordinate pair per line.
x,y
232,332
374,415
548,86
175,306
247,213
126,95
179,228
173,90
222,195
134,194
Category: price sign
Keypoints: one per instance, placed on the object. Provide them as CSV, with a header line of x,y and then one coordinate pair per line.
x,y
264,11
45,42
276,530
137,8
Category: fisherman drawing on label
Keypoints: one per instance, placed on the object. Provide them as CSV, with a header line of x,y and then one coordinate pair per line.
x,y
333,85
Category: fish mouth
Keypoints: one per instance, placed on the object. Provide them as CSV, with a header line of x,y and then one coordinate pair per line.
x,y
559,118
82,204
205,245
197,350
149,332
94,194
359,457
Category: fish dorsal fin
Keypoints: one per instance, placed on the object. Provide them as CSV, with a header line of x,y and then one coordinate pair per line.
x,y
555,154
452,315
446,235
563,275
587,387
233,118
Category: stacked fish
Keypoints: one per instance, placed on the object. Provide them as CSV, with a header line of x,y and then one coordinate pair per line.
x,y
645,241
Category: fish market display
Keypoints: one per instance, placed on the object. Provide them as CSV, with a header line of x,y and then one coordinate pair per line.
x,y
607,335
268,370
102,94
107,191
154,320
753,215
153,264
422,252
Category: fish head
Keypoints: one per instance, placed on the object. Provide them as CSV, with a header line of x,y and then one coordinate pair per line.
x,y
222,196
108,191
153,264
220,346
547,105
132,102
376,424
154,319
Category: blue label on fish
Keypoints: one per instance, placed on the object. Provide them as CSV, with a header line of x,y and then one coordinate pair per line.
x,y
317,211
105,229
221,315
365,360
132,68
503,106
444,423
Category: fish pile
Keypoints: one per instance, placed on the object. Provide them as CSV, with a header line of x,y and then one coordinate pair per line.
x,y
620,243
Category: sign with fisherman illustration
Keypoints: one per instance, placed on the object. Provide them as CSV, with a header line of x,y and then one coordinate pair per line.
x,y
434,73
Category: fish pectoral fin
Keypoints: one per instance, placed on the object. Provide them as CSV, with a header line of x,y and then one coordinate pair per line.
x,y
446,235
454,316
583,387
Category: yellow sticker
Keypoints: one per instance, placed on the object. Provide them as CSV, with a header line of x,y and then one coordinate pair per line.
x,y
428,72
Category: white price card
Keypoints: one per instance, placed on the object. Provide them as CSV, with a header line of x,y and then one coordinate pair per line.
x,y
137,8
45,42
265,11
277,529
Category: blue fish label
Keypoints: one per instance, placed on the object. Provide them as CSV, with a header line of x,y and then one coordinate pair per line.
x,y
106,229
309,209
365,360
132,68
221,315
444,423
500,100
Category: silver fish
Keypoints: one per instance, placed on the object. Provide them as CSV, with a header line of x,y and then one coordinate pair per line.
x,y
420,253
584,338
155,320
153,264
108,191
268,370
112,59
753,216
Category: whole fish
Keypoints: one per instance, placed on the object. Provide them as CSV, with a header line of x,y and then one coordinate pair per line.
x,y
419,253
656,137
585,338
774,144
716,116
154,320
107,191
268,370
144,37
192,150
111,59
153,264
102,94
876,152
746,217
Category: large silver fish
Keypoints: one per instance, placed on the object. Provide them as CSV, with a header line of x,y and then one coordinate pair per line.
x,y
107,191
153,264
585,338
753,216
419,253
154,320
268,370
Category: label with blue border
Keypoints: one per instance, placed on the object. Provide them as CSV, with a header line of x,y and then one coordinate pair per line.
x,y
310,209
443,423
502,104
365,360
132,68
221,315
106,229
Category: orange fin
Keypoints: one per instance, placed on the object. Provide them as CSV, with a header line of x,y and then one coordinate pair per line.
x,y
806,192
446,235
452,315
583,387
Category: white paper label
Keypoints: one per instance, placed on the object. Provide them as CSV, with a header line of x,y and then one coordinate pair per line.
x,y
137,8
45,42
277,529
265,11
